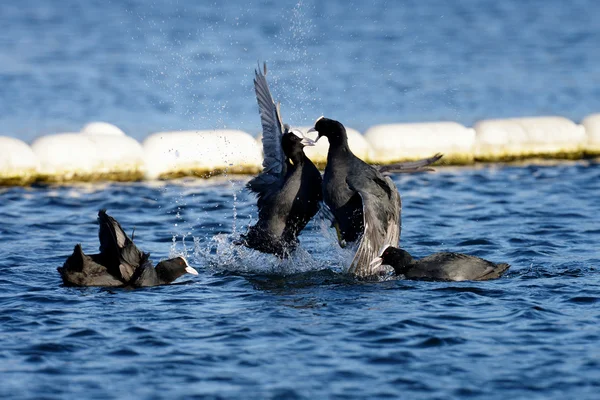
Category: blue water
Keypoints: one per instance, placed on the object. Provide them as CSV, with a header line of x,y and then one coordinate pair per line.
x,y
247,327
187,64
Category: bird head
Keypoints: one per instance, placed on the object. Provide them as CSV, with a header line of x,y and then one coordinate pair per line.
x,y
332,129
173,268
293,143
397,258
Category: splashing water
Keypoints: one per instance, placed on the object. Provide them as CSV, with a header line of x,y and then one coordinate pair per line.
x,y
225,255
234,206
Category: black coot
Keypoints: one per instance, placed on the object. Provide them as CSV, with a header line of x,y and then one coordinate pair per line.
x,y
289,188
439,266
365,203
119,263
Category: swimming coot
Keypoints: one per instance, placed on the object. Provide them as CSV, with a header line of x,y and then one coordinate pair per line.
x,y
120,263
443,266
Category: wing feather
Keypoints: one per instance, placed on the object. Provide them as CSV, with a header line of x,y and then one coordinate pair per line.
x,y
272,125
121,254
274,160
380,230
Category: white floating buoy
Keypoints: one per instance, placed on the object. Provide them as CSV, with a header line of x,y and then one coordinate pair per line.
x,y
75,156
122,156
525,137
402,142
592,130
201,153
102,128
18,163
64,156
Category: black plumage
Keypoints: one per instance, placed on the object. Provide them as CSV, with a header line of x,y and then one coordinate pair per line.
x,y
165,272
121,256
365,203
442,266
120,263
288,189
82,270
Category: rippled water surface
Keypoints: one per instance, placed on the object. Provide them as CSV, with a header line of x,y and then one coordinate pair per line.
x,y
248,326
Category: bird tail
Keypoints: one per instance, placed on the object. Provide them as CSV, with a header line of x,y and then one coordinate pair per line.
x,y
411,166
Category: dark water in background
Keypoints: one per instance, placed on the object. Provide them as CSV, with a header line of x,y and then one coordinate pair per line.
x,y
235,331
184,64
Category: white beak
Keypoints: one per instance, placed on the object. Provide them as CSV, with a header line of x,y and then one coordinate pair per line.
x,y
306,141
311,130
189,269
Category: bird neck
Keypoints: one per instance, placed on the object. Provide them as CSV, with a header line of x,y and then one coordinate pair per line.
x,y
165,274
338,140
297,157
338,150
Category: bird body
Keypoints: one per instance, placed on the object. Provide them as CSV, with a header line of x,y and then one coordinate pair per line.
x,y
363,200
83,270
365,204
120,263
444,266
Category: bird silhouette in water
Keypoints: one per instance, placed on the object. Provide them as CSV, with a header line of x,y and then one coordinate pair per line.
x,y
364,203
289,187
120,262
443,266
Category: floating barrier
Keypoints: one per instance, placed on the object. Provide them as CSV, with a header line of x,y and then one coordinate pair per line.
x,y
102,128
512,139
592,129
64,156
102,151
401,142
88,157
201,153
18,163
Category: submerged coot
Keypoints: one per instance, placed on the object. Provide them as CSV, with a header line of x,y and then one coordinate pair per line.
x,y
439,266
119,263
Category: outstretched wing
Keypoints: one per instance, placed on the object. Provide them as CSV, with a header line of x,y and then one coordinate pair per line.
x,y
274,162
121,254
381,216
410,166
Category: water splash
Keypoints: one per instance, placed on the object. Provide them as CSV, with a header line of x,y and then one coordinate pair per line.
x,y
224,254
234,223
297,91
